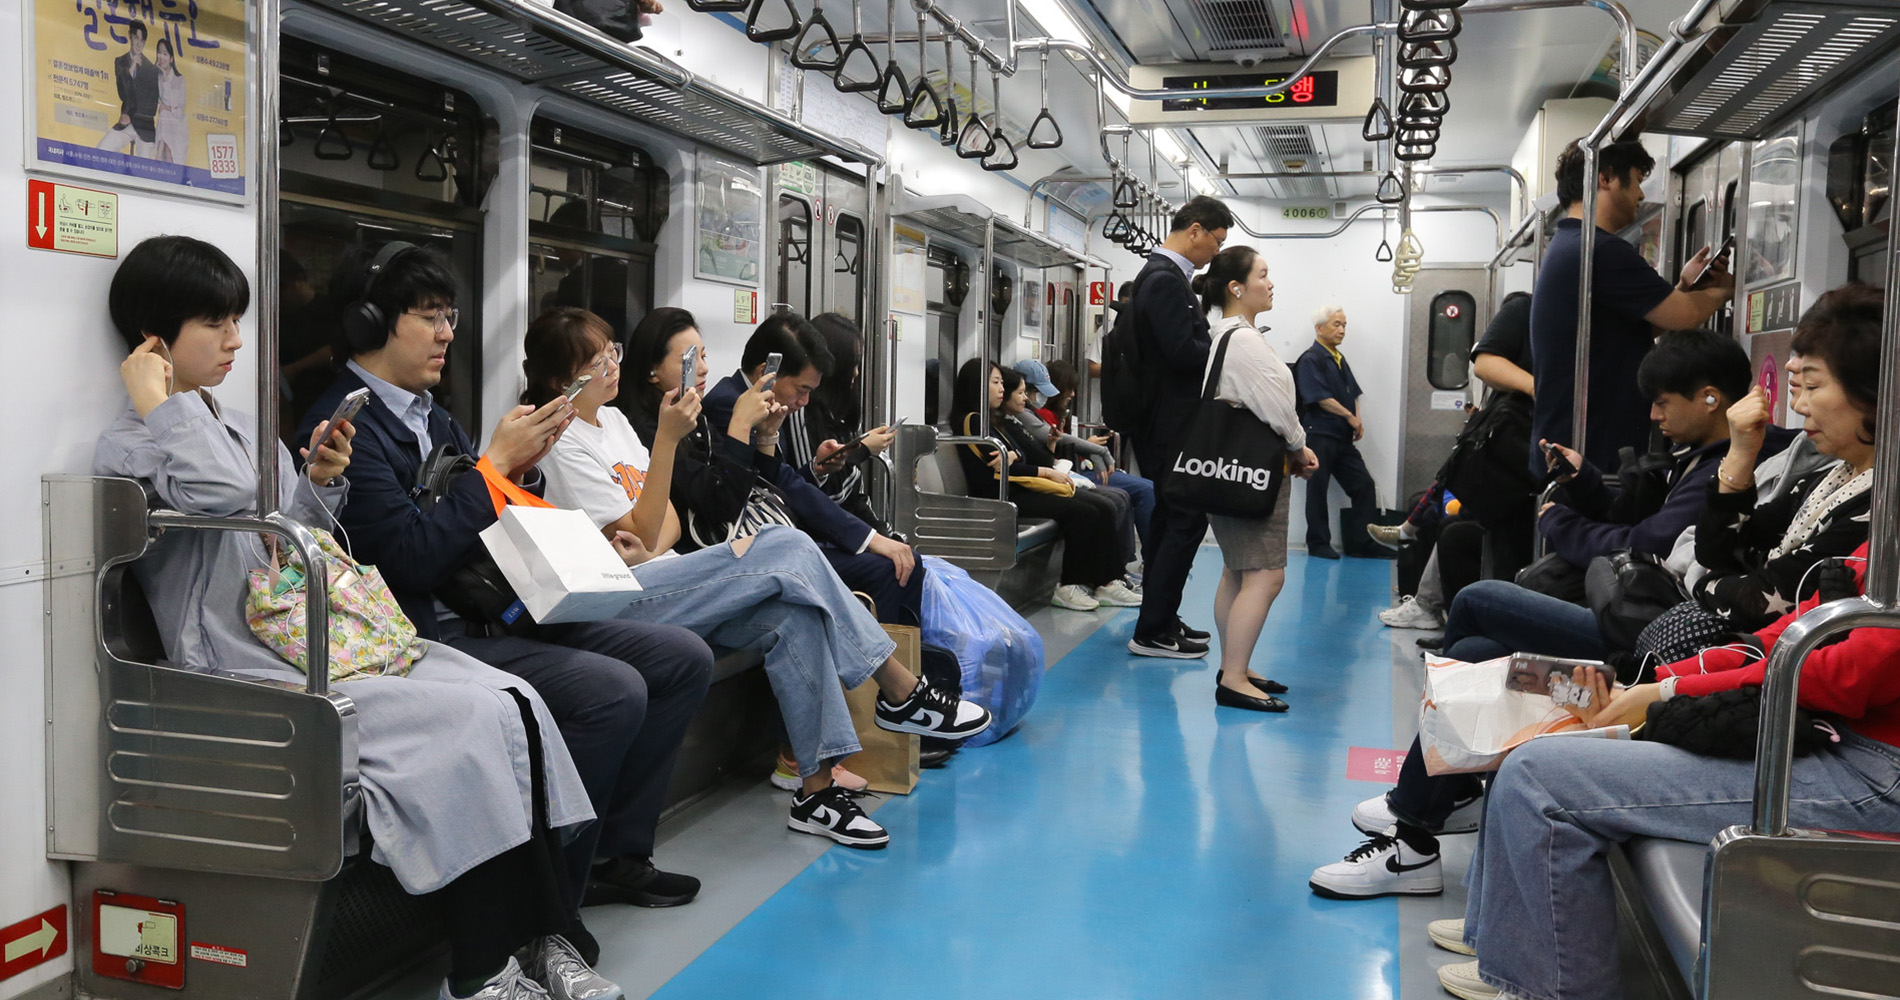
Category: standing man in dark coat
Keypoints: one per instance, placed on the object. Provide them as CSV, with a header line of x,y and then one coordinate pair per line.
x,y
1171,331
1329,410
136,78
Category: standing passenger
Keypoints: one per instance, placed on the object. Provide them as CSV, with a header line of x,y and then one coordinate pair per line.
x,y
622,692
1171,330
1330,411
1253,550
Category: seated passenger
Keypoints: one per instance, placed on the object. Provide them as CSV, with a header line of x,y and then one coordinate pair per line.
x,y
1756,554
465,790
1091,561
621,691
729,475
1100,469
813,435
772,591
1542,915
1034,446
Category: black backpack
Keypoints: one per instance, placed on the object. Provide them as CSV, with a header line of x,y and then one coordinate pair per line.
x,y
476,591
1128,397
1486,469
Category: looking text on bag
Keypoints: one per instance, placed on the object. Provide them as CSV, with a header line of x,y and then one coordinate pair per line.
x,y
1222,469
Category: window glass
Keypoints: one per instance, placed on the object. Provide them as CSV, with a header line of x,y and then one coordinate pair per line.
x,y
847,268
794,254
1453,332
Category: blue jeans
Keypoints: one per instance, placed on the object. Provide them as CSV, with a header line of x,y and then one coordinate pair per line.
x,y
782,599
1141,497
1492,618
1542,913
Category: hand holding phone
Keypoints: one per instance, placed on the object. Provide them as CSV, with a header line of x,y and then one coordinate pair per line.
x,y
1551,675
772,361
1562,469
1708,266
575,388
351,405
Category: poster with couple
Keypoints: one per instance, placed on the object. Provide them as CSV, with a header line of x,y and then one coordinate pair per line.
x,y
151,92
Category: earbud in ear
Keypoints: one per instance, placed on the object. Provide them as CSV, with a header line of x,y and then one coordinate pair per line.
x,y
1709,400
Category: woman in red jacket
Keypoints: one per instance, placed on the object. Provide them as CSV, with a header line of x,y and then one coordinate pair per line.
x,y
1541,912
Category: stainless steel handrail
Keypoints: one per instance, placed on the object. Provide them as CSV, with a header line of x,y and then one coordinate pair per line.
x,y
1518,183
1496,220
263,136
316,576
1625,24
1002,478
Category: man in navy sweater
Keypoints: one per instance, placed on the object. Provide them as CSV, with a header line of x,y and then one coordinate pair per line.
x,y
1171,333
1329,409
622,692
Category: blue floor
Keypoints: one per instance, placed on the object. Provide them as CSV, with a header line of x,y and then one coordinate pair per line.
x,y
1127,841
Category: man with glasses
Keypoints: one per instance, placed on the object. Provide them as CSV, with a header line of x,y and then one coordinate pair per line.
x,y
1171,333
621,691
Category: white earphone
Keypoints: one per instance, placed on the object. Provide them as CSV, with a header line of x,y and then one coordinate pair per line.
x,y
1709,400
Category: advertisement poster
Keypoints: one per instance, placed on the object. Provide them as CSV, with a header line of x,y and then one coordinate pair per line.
x,y
731,205
150,91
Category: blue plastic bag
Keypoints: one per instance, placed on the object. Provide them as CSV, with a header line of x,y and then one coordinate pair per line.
x,y
1001,655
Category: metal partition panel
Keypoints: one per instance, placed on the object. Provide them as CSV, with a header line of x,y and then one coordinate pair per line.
x,y
974,533
170,768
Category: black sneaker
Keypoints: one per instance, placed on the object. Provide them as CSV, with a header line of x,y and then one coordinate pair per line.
x,y
636,881
832,812
1192,633
930,712
1174,647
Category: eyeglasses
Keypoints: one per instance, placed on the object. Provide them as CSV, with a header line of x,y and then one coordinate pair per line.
x,y
611,356
440,319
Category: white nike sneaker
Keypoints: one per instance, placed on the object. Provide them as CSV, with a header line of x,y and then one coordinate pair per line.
x,y
832,812
1409,613
1449,934
1374,816
1382,866
1461,980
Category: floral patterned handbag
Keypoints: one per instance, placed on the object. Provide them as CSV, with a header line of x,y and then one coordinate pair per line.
x,y
369,634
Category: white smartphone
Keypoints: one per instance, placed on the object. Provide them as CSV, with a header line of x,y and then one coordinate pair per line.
x,y
772,361
575,389
689,368
345,410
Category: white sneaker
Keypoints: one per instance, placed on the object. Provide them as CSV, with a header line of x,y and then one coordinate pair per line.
x,y
1374,816
1382,866
565,975
1117,595
1074,597
1449,934
1461,980
508,984
1408,613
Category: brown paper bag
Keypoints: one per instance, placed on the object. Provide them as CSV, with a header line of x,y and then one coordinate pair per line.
x,y
888,760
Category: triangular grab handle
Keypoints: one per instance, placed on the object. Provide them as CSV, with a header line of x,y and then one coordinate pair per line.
x,y
1378,126
1002,154
923,96
718,6
893,91
382,155
1045,132
1391,189
827,42
976,142
757,30
1384,254
861,79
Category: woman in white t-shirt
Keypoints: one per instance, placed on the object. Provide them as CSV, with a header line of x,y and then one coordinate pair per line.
x,y
772,591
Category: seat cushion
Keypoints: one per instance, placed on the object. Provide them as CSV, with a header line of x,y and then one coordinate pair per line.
x,y
1033,531
1669,879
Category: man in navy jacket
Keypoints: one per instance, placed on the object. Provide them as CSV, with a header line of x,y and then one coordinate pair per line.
x,y
1173,343
1329,410
621,691
865,560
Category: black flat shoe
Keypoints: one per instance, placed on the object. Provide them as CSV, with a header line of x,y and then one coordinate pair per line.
x,y
1431,643
1229,698
1322,552
1270,687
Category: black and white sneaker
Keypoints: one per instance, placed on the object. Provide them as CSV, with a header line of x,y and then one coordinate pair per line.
x,y
1190,632
1382,866
832,812
930,712
1174,646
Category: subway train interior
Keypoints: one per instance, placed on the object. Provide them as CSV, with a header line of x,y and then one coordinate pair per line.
x,y
1251,678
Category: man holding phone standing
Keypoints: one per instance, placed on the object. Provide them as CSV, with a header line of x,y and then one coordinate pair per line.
x,y
621,691
1629,302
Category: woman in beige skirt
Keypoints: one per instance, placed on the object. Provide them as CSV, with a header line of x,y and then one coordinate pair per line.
x,y
1235,289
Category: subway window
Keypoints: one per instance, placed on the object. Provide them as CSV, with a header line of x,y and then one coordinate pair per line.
x,y
847,268
1453,333
595,207
794,254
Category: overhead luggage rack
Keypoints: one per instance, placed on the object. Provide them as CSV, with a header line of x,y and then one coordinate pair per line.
x,y
963,218
535,45
1762,63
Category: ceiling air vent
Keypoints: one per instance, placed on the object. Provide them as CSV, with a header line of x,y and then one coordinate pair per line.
x,y
1290,148
1233,25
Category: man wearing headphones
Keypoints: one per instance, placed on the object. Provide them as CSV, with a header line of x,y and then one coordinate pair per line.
x,y
621,691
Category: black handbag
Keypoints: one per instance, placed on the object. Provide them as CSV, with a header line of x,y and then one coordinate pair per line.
x,y
1231,463
1626,591
1553,576
476,591
1486,469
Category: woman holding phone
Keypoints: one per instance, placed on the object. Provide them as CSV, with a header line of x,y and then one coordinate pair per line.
x,y
772,591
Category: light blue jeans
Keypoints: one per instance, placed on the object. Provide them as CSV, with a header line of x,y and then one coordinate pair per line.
x,y
783,599
1542,914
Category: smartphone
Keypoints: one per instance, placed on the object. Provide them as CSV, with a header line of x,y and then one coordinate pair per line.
x,y
1552,675
1727,248
772,361
689,368
1560,467
575,389
345,410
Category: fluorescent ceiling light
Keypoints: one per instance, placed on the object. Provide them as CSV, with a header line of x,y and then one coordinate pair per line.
x,y
1168,146
1055,21
1198,180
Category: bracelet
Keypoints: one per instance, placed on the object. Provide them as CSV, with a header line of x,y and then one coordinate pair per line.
x,y
1725,477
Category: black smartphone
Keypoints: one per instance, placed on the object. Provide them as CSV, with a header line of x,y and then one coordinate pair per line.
x,y
1560,467
1727,248
345,410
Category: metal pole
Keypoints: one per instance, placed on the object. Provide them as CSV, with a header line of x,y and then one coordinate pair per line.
x,y
265,285
1625,24
1586,279
987,306
1883,537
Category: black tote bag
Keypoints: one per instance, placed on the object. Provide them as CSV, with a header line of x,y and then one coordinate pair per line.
x,y
1231,463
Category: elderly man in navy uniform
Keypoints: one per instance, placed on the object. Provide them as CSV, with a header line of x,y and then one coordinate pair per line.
x,y
1329,410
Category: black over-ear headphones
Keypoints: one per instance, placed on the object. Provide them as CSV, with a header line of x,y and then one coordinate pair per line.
x,y
365,328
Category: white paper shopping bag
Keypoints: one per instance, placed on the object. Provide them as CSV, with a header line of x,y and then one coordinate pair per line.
x,y
1470,721
560,565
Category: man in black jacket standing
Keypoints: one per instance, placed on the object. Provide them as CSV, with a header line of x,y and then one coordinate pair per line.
x,y
1171,333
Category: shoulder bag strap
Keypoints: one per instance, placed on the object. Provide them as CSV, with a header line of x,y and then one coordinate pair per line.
x,y
1212,382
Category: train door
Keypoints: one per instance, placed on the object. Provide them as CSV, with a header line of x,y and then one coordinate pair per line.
x,y
1445,313
946,285
793,290
595,207
849,267
371,155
